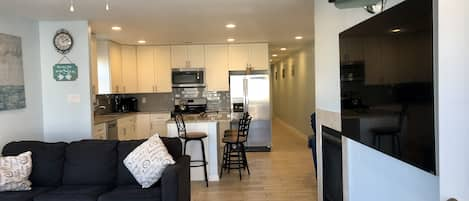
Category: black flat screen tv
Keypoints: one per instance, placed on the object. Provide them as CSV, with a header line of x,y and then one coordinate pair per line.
x,y
387,83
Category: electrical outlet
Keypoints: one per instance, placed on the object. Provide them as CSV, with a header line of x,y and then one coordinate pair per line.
x,y
144,100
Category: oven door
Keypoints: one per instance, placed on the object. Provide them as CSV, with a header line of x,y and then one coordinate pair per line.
x,y
188,78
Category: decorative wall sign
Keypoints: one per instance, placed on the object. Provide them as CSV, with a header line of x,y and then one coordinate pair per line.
x,y
65,72
63,43
12,94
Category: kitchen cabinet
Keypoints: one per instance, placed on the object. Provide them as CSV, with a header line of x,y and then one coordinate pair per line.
x,y
217,72
158,123
162,56
186,56
146,69
94,67
129,69
126,128
143,126
242,56
100,132
115,65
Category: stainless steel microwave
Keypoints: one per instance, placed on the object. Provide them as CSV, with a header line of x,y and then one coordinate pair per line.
x,y
188,77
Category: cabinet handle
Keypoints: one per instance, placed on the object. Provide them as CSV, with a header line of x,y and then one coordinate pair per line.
x,y
117,88
124,89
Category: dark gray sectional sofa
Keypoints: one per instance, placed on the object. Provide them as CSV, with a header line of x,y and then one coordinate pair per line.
x,y
93,170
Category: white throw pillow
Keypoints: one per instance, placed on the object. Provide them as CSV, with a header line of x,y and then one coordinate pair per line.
x,y
14,172
148,161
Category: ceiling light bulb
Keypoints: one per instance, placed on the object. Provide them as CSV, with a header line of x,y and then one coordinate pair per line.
x,y
230,26
108,6
116,28
274,55
298,37
142,41
283,49
396,30
230,39
72,7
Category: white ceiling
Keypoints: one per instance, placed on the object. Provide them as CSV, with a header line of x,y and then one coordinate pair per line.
x,y
180,21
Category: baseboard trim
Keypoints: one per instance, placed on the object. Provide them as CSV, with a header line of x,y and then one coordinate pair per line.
x,y
291,128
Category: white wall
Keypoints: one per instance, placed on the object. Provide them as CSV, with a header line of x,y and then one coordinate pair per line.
x,y
453,52
300,87
66,120
368,174
24,124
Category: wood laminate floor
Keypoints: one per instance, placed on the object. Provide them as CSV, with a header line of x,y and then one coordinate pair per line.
x,y
285,174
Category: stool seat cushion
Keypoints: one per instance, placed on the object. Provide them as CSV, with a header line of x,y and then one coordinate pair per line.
x,y
195,135
234,139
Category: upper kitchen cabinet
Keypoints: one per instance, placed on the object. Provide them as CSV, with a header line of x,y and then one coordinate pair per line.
x,y
115,64
129,69
162,56
242,56
186,56
109,69
217,72
146,69
94,66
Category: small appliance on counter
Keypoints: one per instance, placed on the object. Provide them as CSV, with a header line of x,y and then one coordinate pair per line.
x,y
122,104
190,106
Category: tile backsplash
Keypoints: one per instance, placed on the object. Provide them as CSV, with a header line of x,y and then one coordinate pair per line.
x,y
164,102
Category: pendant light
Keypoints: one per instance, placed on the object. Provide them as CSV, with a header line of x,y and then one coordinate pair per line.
x,y
72,6
107,6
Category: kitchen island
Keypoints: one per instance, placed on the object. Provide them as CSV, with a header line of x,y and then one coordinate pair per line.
x,y
214,127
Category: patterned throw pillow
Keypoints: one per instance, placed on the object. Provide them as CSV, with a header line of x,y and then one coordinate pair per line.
x,y
148,161
14,172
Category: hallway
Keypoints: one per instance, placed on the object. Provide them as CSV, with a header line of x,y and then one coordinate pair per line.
x,y
284,174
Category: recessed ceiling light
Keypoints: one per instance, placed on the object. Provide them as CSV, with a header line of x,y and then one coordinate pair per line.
x,y
274,55
396,30
230,40
116,28
283,49
230,26
142,41
298,37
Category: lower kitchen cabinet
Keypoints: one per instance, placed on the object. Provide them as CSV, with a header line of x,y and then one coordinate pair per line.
x,y
143,126
158,123
100,132
126,128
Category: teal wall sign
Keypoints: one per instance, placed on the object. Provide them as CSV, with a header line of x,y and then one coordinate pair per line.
x,y
65,72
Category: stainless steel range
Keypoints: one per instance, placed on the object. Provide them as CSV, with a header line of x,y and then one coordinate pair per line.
x,y
190,105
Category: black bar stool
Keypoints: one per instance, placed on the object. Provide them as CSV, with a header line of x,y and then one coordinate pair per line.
x,y
234,154
192,136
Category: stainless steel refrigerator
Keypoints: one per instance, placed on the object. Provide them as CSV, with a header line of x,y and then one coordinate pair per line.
x,y
251,93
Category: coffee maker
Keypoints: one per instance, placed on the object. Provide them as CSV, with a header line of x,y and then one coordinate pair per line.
x,y
122,104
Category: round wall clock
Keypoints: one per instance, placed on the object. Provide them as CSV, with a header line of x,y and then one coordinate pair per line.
x,y
63,41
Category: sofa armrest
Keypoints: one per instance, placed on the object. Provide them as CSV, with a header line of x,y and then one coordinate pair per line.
x,y
176,181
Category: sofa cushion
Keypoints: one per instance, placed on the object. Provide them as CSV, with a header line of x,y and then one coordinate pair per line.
x,y
74,193
148,161
23,196
132,193
48,160
124,177
15,171
90,162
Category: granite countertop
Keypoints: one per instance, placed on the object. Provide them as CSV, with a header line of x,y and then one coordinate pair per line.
x,y
104,118
199,119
